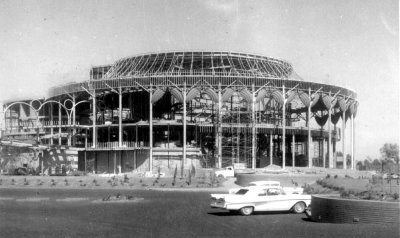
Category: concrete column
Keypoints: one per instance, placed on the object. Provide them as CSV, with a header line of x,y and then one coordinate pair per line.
x,y
184,125
51,124
309,138
330,163
94,132
352,141
219,126
283,128
73,120
120,138
253,128
293,150
151,128
59,123
271,144
343,140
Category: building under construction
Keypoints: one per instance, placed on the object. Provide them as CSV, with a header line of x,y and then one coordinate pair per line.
x,y
207,109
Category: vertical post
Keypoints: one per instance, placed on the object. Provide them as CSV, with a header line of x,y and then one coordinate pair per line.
x,y
115,161
283,128
352,141
151,128
51,124
184,125
343,139
94,132
323,148
86,139
253,126
271,148
219,126
59,123
120,117
293,150
330,162
85,160
73,120
309,138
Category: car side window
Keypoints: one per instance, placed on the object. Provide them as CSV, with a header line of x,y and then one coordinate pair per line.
x,y
272,192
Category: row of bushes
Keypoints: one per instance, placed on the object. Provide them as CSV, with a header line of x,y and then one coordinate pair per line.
x,y
368,194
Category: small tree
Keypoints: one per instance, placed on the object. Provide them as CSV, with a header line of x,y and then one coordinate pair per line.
x,y
175,173
193,171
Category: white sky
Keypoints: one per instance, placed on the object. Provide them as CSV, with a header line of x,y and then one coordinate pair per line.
x,y
350,43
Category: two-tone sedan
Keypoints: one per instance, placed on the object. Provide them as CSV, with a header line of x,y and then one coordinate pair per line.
x,y
248,200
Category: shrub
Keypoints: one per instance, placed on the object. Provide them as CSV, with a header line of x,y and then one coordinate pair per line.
x,y
396,196
328,176
336,176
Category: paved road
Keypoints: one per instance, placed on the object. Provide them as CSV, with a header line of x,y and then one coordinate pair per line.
x,y
46,213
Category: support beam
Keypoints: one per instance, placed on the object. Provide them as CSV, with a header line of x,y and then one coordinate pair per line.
x,y
253,127
59,123
184,125
284,128
352,141
94,132
219,126
120,138
293,150
330,162
271,144
73,120
151,128
309,138
344,139
51,124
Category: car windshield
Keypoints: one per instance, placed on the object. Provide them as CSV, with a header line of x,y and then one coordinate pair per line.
x,y
242,191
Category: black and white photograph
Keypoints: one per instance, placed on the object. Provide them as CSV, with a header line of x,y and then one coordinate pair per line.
x,y
199,118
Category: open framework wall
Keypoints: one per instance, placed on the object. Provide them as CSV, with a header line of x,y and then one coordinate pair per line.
x,y
209,118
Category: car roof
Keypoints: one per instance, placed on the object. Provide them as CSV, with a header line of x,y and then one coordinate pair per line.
x,y
265,182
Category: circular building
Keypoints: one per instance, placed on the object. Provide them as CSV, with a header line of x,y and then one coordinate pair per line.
x,y
173,109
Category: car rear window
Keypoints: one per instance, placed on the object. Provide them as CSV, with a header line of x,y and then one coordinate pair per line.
x,y
242,191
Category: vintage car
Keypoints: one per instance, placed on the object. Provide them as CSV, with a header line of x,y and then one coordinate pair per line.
x,y
269,184
248,200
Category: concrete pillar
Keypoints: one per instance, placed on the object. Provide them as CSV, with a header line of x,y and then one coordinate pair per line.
x,y
51,124
352,141
271,144
293,150
309,138
73,120
120,138
283,128
343,140
219,126
94,132
253,128
330,163
184,125
151,128
59,123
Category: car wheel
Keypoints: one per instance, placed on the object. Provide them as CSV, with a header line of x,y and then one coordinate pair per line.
x,y
220,176
299,207
246,211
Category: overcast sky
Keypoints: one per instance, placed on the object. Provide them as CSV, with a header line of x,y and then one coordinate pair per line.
x,y
348,43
